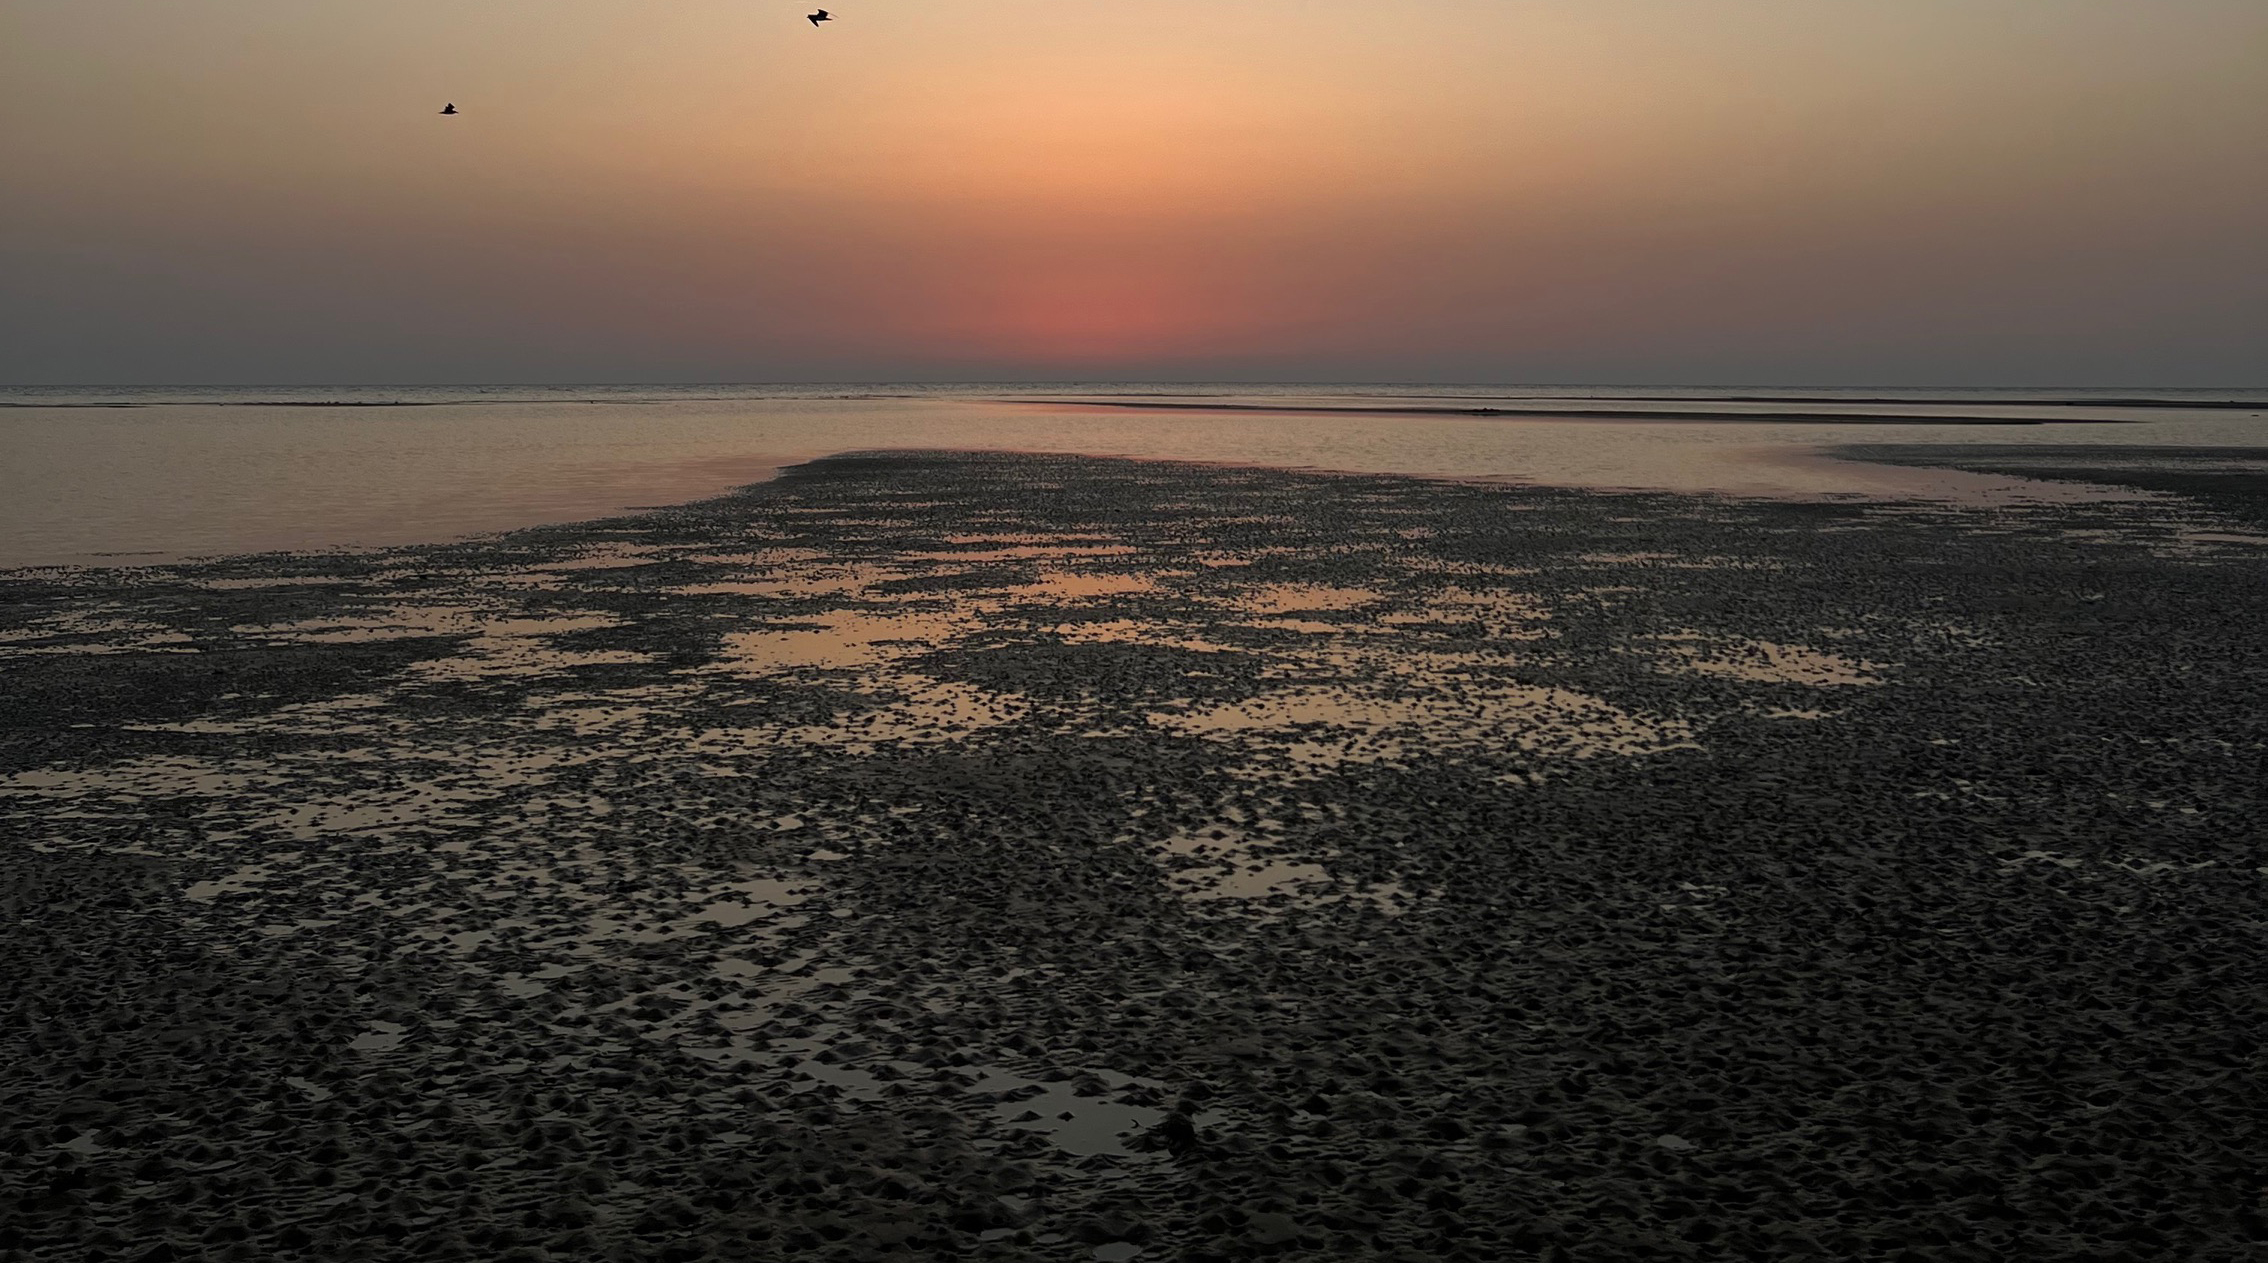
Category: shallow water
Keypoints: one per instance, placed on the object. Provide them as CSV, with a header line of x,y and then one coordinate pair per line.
x,y
150,474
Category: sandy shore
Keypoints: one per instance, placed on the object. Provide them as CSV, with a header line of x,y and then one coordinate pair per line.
x,y
938,856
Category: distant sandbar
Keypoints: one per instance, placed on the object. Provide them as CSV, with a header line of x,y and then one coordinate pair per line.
x,y
1565,414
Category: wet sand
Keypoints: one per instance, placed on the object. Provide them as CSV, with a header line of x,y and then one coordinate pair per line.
x,y
932,855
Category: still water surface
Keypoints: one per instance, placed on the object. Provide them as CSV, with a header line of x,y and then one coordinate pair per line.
x,y
120,475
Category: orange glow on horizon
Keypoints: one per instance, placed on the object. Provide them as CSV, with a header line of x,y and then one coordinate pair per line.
x,y
1086,318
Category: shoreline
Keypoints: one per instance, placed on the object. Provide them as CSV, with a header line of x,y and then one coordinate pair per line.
x,y
1820,460
1579,414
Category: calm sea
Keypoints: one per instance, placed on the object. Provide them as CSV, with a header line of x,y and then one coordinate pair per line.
x,y
117,475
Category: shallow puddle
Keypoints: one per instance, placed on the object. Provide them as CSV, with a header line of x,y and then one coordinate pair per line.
x,y
842,640
1074,585
1299,598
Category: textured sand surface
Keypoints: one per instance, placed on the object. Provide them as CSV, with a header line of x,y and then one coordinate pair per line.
x,y
938,856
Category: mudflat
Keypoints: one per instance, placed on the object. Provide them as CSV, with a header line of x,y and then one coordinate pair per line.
x,y
931,855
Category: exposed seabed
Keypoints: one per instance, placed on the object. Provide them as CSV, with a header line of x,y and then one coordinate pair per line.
x,y
1019,857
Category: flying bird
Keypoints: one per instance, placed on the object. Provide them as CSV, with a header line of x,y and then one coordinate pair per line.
x,y
450,108
820,16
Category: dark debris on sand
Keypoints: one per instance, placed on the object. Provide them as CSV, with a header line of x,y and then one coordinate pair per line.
x,y
1033,858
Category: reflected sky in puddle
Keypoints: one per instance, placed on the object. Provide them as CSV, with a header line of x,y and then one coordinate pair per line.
x,y
1077,585
842,640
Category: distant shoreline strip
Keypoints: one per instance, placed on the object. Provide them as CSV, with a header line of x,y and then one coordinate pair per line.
x,y
2256,405
422,403
1580,414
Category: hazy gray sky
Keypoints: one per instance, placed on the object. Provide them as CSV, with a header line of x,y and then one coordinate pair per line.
x,y
1797,191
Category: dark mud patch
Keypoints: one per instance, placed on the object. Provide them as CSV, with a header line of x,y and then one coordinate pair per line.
x,y
1123,673
2233,480
41,692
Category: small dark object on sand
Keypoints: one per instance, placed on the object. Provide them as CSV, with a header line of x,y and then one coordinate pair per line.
x,y
821,16
1175,1134
450,108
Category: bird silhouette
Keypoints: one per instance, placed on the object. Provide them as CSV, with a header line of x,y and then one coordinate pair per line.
x,y
450,108
820,16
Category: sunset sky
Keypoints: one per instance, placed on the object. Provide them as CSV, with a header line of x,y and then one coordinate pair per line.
x,y
1642,191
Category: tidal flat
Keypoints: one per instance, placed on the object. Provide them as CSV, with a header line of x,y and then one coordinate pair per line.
x,y
1016,857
